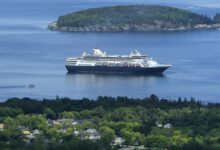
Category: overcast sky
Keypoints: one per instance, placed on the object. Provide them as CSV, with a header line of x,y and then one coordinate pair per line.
x,y
211,3
208,3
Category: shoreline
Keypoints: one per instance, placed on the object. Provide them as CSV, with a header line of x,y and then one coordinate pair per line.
x,y
204,102
126,28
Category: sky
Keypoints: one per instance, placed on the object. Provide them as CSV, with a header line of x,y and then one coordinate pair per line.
x,y
205,3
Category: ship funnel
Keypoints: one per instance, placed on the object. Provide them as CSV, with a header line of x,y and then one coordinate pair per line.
x,y
135,53
98,52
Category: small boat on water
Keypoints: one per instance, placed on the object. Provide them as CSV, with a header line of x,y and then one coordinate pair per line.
x,y
99,62
31,86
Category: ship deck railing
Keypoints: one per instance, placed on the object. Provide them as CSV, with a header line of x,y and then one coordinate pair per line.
x,y
119,65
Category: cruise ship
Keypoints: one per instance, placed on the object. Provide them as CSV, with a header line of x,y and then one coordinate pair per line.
x,y
99,62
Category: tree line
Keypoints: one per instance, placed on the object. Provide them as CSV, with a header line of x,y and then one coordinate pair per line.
x,y
153,122
131,15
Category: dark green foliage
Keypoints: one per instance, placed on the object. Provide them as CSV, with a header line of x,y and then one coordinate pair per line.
x,y
133,15
50,114
216,19
195,125
8,111
73,143
65,104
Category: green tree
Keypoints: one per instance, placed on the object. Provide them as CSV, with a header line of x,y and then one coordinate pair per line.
x,y
107,133
67,115
32,121
10,123
132,138
12,112
49,113
216,19
86,114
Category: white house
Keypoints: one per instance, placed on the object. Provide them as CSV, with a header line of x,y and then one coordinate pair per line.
x,y
91,134
168,126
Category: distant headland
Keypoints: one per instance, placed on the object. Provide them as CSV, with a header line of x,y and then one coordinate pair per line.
x,y
133,18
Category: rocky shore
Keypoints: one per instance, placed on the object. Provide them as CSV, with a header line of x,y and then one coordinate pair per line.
x,y
143,27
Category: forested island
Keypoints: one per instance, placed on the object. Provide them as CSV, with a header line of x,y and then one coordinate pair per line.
x,y
109,123
134,18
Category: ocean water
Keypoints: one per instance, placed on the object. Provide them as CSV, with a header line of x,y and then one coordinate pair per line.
x,y
31,54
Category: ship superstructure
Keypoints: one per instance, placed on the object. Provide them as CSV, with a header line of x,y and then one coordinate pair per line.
x,y
99,62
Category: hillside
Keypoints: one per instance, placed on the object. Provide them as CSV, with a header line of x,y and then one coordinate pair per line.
x,y
217,18
131,18
109,123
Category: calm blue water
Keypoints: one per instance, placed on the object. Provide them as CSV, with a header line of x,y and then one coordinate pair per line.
x,y
30,54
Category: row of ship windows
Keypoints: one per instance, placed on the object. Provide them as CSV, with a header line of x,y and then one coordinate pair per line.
x,y
108,59
118,64
104,62
109,64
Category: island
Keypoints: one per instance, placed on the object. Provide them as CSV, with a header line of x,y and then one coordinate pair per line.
x,y
109,123
133,18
